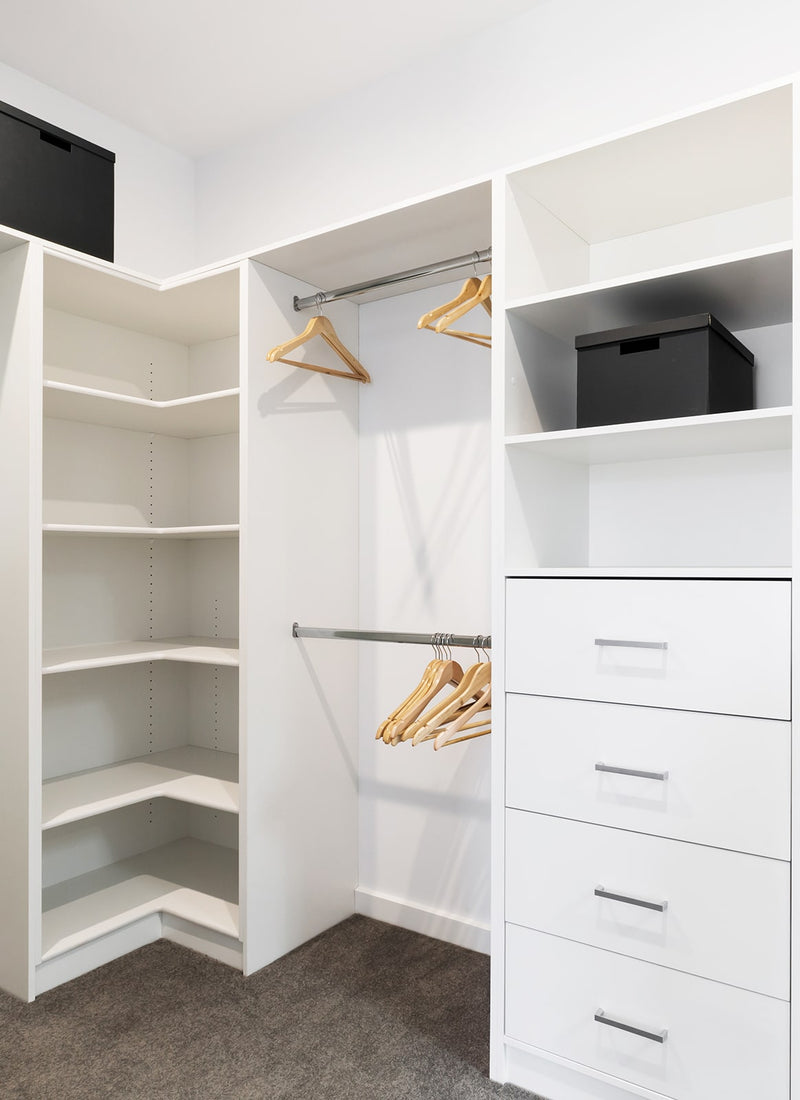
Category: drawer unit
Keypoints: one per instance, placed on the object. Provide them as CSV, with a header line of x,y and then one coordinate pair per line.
x,y
709,778
710,645
718,914
701,1040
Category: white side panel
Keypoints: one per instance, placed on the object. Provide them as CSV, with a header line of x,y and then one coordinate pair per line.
x,y
299,532
20,431
424,567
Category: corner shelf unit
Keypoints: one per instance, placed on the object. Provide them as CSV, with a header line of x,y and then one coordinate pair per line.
x,y
140,533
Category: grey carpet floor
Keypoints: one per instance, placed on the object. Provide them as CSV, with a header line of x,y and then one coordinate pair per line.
x,y
363,1012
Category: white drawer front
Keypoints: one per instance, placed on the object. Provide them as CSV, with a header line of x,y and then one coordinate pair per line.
x,y
727,778
721,1043
727,642
721,915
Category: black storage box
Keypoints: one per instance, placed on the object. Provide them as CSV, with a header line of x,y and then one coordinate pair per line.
x,y
683,367
55,185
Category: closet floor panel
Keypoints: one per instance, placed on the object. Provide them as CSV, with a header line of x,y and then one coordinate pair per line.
x,y
189,879
191,774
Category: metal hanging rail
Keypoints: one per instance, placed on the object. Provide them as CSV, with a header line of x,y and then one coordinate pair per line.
x,y
480,256
471,641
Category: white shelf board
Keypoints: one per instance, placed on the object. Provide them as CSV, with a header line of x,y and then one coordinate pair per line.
x,y
192,774
728,157
747,573
683,437
214,531
444,225
744,290
192,311
207,651
188,879
186,417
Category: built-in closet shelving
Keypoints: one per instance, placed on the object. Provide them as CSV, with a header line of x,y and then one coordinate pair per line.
x,y
644,526
140,511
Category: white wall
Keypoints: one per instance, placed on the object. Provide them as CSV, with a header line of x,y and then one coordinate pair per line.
x,y
565,72
154,186
424,858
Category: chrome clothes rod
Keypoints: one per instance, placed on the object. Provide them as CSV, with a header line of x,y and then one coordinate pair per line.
x,y
472,641
319,299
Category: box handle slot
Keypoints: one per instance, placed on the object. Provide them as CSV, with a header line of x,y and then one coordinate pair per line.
x,y
645,343
53,139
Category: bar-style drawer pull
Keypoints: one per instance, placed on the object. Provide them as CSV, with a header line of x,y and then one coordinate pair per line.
x,y
659,906
609,1021
600,767
626,644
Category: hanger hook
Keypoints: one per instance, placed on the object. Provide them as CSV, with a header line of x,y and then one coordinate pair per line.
x,y
319,299
476,256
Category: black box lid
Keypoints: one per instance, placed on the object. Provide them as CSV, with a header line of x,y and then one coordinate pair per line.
x,y
662,328
64,135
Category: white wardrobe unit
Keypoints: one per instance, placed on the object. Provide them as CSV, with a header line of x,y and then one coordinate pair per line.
x,y
642,793
177,763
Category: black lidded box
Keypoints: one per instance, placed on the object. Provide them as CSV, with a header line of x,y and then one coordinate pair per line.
x,y
684,367
55,185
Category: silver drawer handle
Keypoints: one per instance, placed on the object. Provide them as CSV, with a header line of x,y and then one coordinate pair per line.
x,y
655,1036
631,645
600,767
659,906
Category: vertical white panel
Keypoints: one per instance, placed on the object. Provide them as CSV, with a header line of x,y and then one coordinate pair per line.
x,y
20,418
424,567
299,535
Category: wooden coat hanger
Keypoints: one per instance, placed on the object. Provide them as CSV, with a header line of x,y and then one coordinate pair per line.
x,y
468,290
481,297
437,675
476,678
320,326
481,710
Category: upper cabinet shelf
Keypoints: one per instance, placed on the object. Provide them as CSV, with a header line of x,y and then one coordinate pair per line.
x,y
187,417
746,290
676,194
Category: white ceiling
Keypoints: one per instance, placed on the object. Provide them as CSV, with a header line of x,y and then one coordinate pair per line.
x,y
199,75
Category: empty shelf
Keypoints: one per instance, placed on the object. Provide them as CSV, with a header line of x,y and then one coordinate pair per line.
x,y
192,774
683,437
207,651
210,531
186,417
189,879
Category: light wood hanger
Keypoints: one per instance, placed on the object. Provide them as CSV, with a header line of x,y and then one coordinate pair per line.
x,y
468,290
320,326
481,297
438,674
480,709
476,678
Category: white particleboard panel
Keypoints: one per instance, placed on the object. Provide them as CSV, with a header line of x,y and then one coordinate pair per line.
x,y
209,651
299,543
209,414
188,774
19,553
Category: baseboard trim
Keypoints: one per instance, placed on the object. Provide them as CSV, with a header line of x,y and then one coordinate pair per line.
x,y
418,918
72,964
203,940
